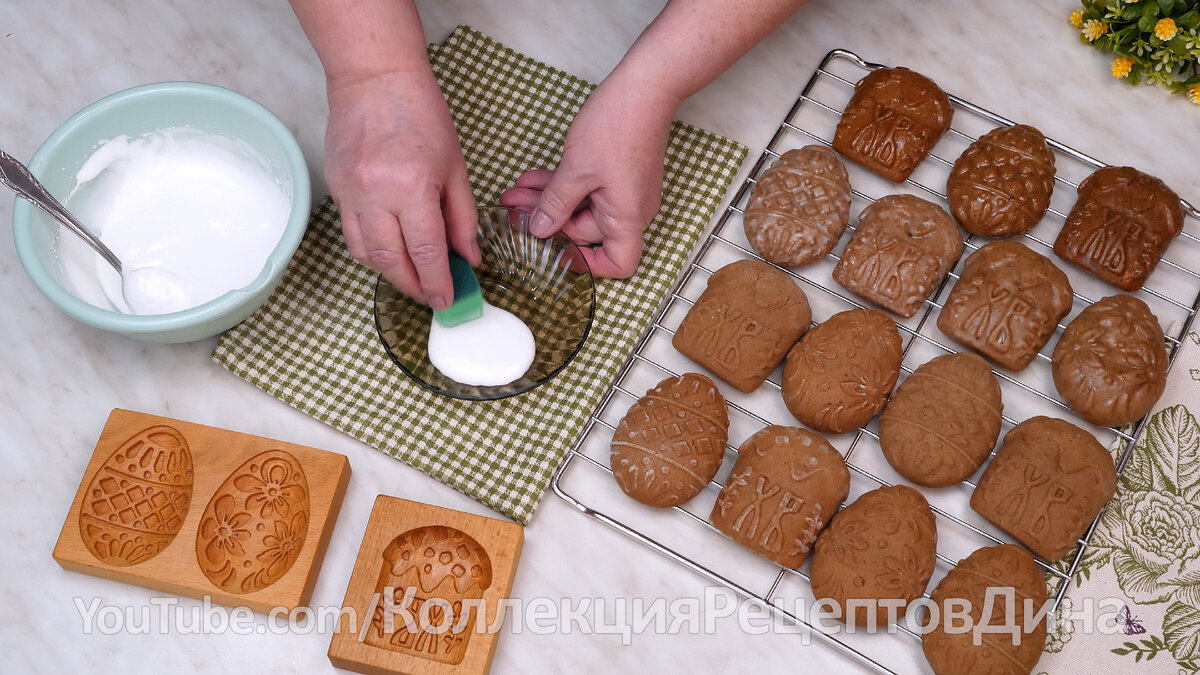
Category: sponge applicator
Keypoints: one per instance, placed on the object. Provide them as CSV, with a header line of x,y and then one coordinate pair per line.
x,y
468,300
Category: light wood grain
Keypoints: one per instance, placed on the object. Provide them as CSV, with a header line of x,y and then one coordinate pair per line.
x,y
258,518
398,529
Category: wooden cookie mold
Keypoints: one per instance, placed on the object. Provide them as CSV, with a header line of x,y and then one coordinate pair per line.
x,y
442,567
199,511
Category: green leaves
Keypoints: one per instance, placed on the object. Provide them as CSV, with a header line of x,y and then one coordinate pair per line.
x,y
1181,628
1129,30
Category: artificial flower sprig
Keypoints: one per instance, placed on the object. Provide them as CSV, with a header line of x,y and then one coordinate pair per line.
x,y
1156,41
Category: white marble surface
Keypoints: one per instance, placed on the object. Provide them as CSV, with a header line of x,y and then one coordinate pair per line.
x,y
59,379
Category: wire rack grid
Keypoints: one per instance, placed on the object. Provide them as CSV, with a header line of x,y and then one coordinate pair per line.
x,y
684,534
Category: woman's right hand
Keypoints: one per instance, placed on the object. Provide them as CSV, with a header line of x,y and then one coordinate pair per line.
x,y
396,171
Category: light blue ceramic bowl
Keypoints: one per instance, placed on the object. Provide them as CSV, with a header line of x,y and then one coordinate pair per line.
x,y
135,112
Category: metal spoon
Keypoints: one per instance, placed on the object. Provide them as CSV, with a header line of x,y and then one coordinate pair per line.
x,y
162,290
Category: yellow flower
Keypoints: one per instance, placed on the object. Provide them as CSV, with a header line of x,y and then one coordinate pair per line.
x,y
1193,93
1094,29
1121,66
1077,18
1165,28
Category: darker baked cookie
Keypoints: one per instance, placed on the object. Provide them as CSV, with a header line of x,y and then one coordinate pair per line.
x,y
1001,184
901,250
799,207
1007,303
943,421
879,548
1012,573
784,488
744,323
670,443
892,122
841,373
1120,226
1045,485
1110,364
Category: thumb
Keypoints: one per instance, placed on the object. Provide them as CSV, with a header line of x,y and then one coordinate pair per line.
x,y
560,198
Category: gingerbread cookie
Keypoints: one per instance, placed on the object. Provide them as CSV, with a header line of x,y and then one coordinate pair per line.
x,y
799,207
892,122
1120,226
785,486
670,443
943,421
744,323
1001,184
1006,303
839,376
902,249
1045,485
1008,572
879,548
1110,364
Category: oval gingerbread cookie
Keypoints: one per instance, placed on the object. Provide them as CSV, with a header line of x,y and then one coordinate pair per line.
x,y
1011,572
876,556
1001,184
786,485
670,443
901,250
943,421
1110,364
839,376
799,207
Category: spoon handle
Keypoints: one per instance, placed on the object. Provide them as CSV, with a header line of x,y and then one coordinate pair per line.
x,y
17,177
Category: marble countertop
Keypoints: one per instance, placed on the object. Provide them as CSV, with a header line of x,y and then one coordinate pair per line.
x,y
59,379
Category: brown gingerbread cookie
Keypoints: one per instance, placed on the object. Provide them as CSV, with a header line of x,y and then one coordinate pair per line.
x,y
786,485
943,421
892,122
1110,364
901,250
744,323
1006,303
839,376
1009,572
799,207
1045,485
670,443
876,556
1120,226
1001,184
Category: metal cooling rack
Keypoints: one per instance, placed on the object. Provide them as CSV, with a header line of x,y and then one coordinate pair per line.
x,y
684,535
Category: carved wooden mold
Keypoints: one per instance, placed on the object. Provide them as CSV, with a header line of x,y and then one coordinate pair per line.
x,y
426,591
258,541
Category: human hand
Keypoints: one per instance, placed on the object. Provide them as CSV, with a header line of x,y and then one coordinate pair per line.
x,y
396,171
608,185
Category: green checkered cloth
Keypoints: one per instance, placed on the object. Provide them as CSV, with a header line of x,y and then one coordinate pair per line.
x,y
314,343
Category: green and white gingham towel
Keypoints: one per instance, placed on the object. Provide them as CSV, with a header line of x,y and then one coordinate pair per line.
x,y
314,344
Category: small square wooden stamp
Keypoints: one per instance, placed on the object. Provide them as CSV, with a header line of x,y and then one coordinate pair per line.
x,y
199,511
426,593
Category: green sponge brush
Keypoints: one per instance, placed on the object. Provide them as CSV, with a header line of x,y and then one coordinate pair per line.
x,y
468,300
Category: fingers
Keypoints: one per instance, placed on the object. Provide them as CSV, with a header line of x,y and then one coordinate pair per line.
x,y
562,195
424,240
458,208
617,258
375,240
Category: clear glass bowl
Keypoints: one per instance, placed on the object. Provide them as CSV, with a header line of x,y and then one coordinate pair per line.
x,y
545,282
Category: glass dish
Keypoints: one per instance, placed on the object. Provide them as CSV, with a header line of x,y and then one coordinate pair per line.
x,y
545,282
